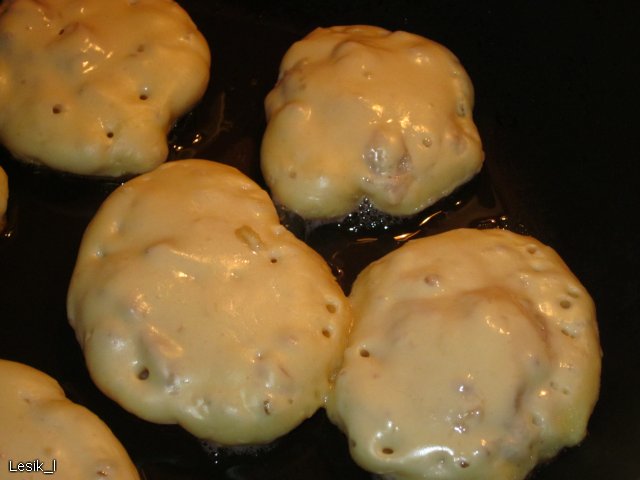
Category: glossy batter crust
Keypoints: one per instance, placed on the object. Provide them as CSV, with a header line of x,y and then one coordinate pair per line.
x,y
42,431
93,86
195,306
360,112
474,354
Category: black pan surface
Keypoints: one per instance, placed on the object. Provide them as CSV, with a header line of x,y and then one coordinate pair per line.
x,y
555,105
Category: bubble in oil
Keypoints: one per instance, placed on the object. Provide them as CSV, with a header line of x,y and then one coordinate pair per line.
x,y
219,453
365,219
503,222
369,218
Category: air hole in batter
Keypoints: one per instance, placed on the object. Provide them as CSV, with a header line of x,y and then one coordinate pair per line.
x,y
564,303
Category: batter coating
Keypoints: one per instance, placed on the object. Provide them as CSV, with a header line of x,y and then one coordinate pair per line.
x,y
93,86
193,305
474,354
39,424
360,112
4,196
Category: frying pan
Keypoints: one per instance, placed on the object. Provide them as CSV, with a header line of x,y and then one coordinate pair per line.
x,y
554,106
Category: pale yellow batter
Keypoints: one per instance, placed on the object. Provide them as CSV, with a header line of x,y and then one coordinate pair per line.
x,y
360,112
195,306
93,86
42,431
474,355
